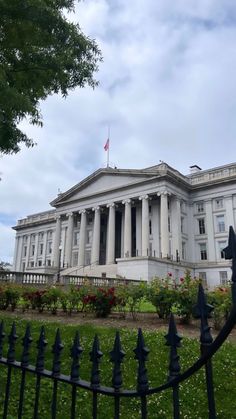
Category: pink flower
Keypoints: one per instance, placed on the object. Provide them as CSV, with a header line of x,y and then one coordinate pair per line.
x,y
169,274
181,279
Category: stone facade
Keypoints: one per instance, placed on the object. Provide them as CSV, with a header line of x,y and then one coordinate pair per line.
x,y
135,224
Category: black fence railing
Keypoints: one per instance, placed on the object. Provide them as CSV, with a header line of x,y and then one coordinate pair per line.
x,y
116,391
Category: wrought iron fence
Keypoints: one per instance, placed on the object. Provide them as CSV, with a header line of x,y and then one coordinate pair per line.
x,y
142,391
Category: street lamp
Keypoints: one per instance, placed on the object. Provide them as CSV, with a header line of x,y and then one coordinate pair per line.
x,y
59,268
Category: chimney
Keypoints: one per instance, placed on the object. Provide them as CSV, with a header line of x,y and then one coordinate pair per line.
x,y
195,168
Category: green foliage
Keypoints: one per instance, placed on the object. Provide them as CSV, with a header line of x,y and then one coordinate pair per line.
x,y
221,300
41,53
101,300
135,294
162,294
192,392
186,295
52,299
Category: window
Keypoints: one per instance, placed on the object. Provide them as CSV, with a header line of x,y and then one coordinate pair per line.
x,y
220,219
87,258
49,247
48,262
76,221
89,236
25,238
32,264
219,203
75,259
39,263
200,207
150,249
183,250
169,224
32,250
223,277
182,225
25,251
90,219
41,248
23,266
150,226
201,226
41,236
222,246
203,251
76,238
32,237
50,234
150,209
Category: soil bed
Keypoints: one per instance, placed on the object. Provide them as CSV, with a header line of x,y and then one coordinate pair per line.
x,y
147,321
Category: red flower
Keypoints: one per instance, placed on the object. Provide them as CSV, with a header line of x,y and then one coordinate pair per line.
x,y
169,274
181,279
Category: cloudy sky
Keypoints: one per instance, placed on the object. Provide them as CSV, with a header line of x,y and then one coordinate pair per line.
x,y
167,89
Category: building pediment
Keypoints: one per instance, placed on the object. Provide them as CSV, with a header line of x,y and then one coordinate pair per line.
x,y
102,181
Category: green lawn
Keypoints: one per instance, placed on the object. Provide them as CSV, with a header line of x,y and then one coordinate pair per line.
x,y
192,393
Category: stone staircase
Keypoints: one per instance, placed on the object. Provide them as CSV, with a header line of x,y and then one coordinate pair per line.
x,y
96,270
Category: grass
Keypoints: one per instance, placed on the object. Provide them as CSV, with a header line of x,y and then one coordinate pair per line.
x,y
192,393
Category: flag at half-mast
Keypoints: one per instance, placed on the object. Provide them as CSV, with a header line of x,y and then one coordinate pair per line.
x,y
106,145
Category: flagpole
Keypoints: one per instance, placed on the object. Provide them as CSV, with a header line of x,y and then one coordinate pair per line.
x,y
108,150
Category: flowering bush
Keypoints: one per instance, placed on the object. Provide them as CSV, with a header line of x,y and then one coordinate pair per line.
x,y
101,301
162,294
35,299
187,290
221,300
52,299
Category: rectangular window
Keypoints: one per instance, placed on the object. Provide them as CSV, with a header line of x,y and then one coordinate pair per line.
x,y
200,207
203,251
220,219
223,277
76,238
90,219
150,249
182,225
201,226
32,250
23,266
150,226
222,246
169,224
219,203
48,262
32,264
202,275
75,259
150,209
41,248
50,234
49,247
87,258
89,236
25,251
39,263
41,236
25,238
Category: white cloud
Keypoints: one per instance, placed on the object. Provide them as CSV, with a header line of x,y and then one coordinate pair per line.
x,y
167,87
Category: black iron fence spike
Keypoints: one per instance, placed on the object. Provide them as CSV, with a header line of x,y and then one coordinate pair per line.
x,y
95,356
2,335
41,345
141,354
202,308
75,352
230,253
56,350
116,357
172,337
12,341
26,342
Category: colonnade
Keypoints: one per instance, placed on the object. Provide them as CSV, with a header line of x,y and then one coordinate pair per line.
x,y
111,232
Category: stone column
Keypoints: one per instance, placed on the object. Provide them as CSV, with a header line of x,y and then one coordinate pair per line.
x,y
211,252
190,244
69,239
127,228
96,237
176,227
56,243
138,230
16,252
82,236
164,225
111,235
145,225
18,261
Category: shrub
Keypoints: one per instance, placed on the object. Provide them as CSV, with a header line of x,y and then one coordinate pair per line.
x,y
35,298
135,293
13,294
101,301
52,299
221,300
162,294
187,291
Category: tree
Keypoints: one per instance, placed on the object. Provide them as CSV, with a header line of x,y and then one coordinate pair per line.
x,y
41,52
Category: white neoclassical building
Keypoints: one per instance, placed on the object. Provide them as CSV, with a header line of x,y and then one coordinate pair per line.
x,y
135,224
